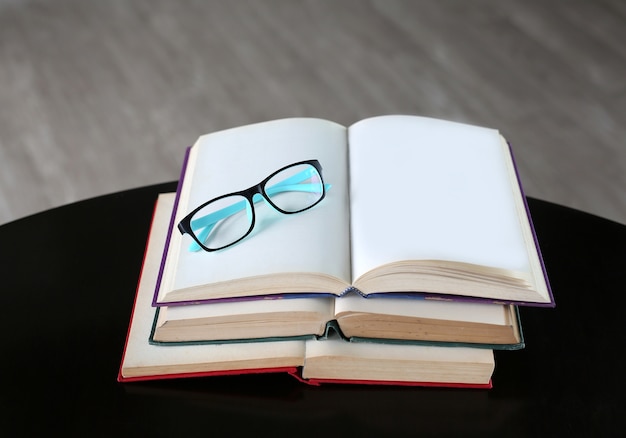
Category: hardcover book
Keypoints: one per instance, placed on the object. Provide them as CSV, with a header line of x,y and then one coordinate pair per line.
x,y
313,361
400,206
352,317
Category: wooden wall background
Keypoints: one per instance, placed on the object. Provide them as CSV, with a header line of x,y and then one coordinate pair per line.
x,y
101,96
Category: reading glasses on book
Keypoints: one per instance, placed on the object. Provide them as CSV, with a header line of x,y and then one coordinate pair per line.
x,y
227,219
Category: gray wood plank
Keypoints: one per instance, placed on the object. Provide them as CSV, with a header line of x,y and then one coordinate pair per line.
x,y
97,97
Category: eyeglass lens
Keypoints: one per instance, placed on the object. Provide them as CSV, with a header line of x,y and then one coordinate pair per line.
x,y
295,189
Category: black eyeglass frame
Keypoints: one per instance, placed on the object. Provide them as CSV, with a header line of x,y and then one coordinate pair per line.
x,y
184,226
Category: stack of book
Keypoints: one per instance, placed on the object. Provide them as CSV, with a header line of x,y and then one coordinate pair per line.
x,y
393,251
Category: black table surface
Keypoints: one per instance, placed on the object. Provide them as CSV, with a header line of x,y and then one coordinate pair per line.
x,y
68,283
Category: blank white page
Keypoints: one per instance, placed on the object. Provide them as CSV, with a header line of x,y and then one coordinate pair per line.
x,y
322,305
427,189
235,159
483,313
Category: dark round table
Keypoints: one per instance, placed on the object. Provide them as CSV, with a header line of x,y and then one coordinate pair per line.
x,y
68,278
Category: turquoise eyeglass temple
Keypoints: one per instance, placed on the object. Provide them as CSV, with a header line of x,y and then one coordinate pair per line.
x,y
290,184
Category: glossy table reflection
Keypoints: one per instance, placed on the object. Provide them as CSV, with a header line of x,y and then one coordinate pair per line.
x,y
68,283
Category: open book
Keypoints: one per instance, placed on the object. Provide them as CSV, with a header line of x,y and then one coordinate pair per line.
x,y
412,206
331,360
389,320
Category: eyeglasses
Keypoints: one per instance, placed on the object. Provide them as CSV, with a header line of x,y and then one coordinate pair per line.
x,y
227,219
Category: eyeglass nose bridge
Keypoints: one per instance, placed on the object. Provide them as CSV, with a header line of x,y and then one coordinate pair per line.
x,y
255,193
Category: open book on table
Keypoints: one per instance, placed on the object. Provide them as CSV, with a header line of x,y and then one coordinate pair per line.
x,y
412,206
313,361
389,320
